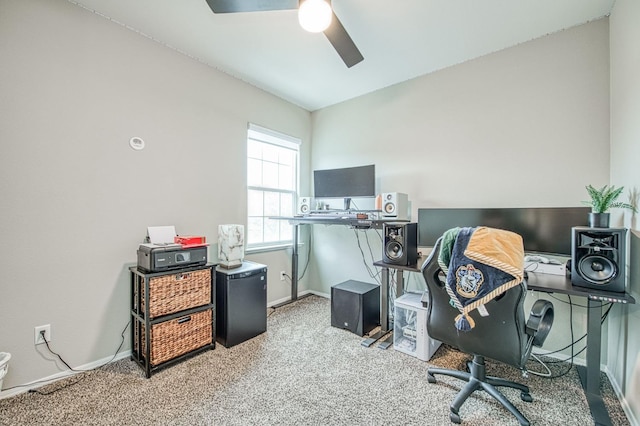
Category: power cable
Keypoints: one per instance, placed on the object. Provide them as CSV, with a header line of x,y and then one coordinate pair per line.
x,y
306,264
372,274
69,367
572,344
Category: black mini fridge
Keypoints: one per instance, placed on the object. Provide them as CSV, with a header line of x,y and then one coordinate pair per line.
x,y
241,303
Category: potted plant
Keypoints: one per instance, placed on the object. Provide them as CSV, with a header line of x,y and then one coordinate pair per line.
x,y
601,201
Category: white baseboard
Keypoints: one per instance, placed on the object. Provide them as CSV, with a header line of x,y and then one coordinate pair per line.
x,y
633,421
576,361
61,375
325,295
300,294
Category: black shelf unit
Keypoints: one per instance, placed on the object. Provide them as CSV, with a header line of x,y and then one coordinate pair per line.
x,y
143,320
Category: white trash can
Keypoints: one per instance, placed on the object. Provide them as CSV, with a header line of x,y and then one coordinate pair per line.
x,y
4,365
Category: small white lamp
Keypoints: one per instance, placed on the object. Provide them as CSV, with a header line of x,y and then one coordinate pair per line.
x,y
314,15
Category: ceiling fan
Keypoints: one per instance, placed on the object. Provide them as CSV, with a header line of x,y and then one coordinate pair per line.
x,y
335,32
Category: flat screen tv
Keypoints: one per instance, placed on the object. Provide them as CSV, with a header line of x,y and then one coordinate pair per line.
x,y
345,182
544,230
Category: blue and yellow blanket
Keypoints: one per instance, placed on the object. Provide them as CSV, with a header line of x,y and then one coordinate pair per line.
x,y
481,263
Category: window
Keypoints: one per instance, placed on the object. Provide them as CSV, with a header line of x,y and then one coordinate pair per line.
x,y
272,182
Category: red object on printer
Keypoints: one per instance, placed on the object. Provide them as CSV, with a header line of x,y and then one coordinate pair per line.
x,y
190,241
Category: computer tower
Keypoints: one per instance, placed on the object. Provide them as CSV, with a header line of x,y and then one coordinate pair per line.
x,y
410,334
355,306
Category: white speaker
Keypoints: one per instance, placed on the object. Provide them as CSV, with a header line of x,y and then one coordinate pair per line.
x,y
395,205
304,205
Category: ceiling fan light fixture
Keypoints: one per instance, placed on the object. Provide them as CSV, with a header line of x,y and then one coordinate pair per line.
x,y
315,15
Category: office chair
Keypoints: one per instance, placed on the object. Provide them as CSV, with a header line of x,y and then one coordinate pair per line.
x,y
502,335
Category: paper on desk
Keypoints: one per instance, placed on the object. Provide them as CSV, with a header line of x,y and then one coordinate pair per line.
x,y
161,234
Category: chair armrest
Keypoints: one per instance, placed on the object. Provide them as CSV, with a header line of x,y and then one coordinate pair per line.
x,y
539,322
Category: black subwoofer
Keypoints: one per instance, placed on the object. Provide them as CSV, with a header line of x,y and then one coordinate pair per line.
x,y
355,306
400,243
598,258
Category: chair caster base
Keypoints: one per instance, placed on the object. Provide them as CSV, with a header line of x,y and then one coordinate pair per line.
x,y
455,418
431,378
526,397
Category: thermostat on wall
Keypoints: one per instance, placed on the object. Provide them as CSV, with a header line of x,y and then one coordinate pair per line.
x,y
136,143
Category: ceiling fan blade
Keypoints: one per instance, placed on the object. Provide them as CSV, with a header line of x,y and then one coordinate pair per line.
x,y
232,6
342,42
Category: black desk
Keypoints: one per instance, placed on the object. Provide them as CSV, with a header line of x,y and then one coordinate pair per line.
x,y
589,375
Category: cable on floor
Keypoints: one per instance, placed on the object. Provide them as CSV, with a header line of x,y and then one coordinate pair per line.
x,y
79,378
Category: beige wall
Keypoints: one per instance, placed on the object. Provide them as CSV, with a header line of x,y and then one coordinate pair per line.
x,y
624,362
527,126
76,199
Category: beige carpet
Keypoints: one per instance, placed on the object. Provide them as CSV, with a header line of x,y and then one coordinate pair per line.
x,y
301,371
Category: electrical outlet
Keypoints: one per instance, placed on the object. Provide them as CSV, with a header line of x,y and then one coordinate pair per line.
x,y
282,275
38,340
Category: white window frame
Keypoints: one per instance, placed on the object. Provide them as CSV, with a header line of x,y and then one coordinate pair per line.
x,y
263,135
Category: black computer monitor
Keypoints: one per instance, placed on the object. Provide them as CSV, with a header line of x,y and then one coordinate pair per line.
x,y
543,229
345,183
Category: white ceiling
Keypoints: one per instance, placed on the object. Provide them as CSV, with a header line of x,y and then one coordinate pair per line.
x,y
399,39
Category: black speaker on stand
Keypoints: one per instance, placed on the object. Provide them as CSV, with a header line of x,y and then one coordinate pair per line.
x,y
598,257
400,243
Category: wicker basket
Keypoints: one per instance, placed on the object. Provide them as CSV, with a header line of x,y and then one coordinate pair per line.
x,y
176,292
170,339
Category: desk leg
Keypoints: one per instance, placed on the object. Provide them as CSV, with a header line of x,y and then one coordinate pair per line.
x,y
294,265
399,290
294,271
399,283
384,301
590,375
384,315
384,311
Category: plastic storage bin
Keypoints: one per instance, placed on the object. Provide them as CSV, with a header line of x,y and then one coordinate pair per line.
x,y
410,328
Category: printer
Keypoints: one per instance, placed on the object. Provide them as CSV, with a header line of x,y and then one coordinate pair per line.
x,y
164,257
